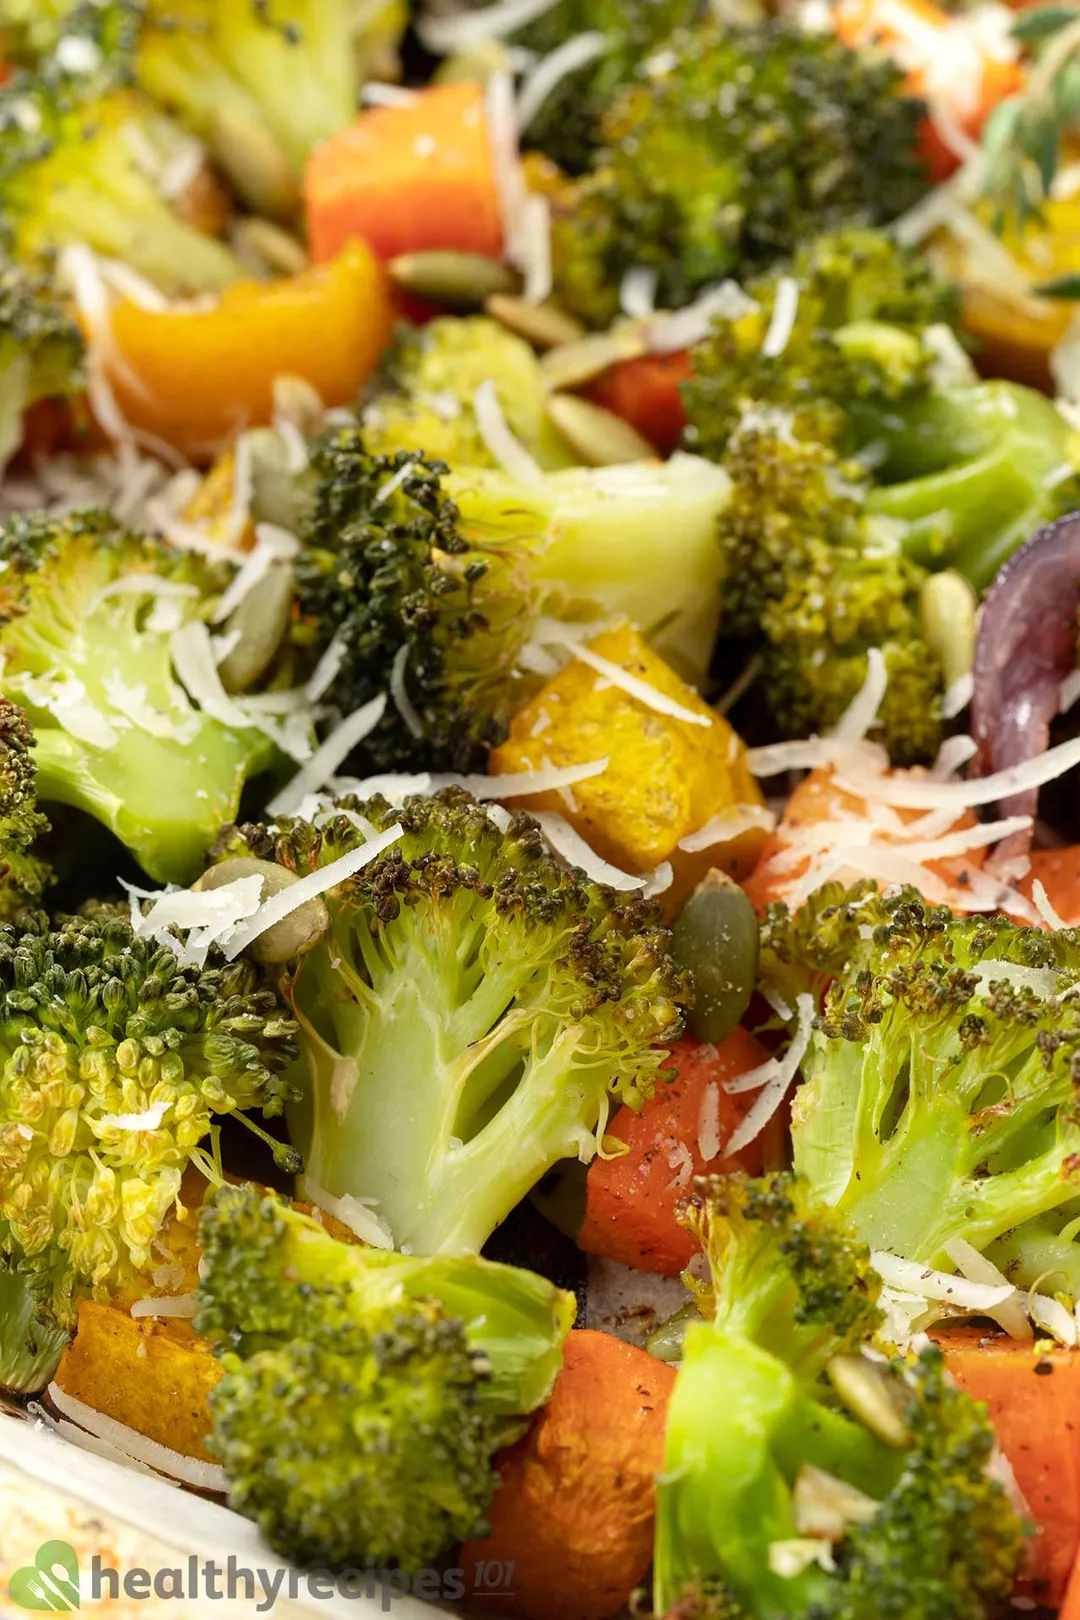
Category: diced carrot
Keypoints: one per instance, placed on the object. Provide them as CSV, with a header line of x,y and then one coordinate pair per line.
x,y
408,178
1058,870
630,1201
646,393
1033,1398
574,1513
816,802
195,376
1070,1609
920,36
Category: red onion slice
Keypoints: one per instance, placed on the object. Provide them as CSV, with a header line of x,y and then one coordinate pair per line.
x,y
1026,647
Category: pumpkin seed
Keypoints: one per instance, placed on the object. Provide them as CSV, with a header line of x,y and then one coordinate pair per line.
x,y
300,931
261,619
948,609
572,364
871,1393
254,162
458,280
715,936
282,253
545,326
600,438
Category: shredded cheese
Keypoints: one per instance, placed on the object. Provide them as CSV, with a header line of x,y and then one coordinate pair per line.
x,y
331,754
567,842
777,1081
634,687
548,73
1050,916
189,1470
355,1213
782,321
508,451
400,693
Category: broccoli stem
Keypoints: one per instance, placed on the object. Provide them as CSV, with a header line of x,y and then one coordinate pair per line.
x,y
30,1346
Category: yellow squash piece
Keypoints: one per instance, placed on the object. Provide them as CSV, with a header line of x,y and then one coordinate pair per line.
x,y
666,778
196,374
153,1376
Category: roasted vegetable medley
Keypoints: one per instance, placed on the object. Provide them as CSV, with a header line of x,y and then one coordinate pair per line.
x,y
539,853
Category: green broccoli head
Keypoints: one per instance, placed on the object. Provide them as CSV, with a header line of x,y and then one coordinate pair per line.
x,y
856,347
729,149
116,1063
219,67
41,350
567,125
782,1273
814,583
774,1503
92,620
82,159
423,398
24,877
473,1004
364,1391
31,1344
938,1098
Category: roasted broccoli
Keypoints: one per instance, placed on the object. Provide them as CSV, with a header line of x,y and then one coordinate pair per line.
x,y
364,1391
93,620
469,1017
938,1099
84,160
40,350
423,398
566,124
730,148
774,1500
24,876
436,582
862,452
31,1344
117,1064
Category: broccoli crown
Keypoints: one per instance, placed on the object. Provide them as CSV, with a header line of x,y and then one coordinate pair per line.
x,y
423,397
23,876
782,1273
219,67
89,654
814,582
730,148
516,997
364,1391
938,1098
783,1507
76,153
115,1063
387,569
41,350
855,345
30,1343
567,125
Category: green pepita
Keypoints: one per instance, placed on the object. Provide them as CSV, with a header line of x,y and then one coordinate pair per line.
x,y
574,364
260,620
545,326
870,1393
715,937
598,437
254,162
461,281
275,249
948,608
295,934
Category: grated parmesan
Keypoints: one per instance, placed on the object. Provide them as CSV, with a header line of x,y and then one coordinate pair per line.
x,y
508,451
659,702
332,753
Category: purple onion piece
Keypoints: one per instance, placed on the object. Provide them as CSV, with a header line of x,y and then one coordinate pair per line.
x,y
1026,646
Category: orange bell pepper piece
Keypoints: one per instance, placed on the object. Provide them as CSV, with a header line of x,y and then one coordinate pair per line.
x,y
408,178
194,376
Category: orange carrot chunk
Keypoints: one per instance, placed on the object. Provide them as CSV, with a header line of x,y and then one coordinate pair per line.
x,y
407,179
630,1201
574,1513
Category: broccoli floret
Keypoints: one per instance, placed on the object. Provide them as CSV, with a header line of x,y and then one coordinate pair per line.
x,y
116,1064
90,655
76,155
220,66
729,149
40,350
364,1391
24,877
423,397
440,579
30,1343
567,124
781,1272
938,1099
773,1501
469,1017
